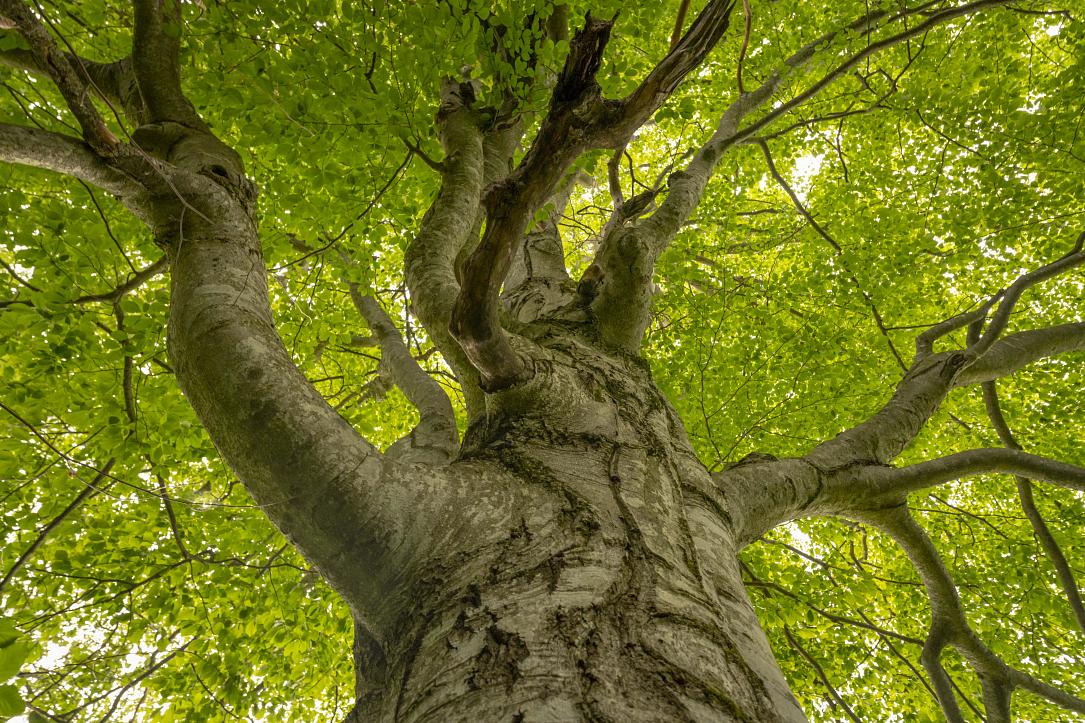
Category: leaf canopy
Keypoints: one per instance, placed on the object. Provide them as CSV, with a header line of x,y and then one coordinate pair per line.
x,y
940,168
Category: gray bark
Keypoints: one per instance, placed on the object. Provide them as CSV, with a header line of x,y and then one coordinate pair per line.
x,y
607,587
573,559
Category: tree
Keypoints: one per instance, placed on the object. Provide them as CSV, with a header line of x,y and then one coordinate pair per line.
x,y
638,294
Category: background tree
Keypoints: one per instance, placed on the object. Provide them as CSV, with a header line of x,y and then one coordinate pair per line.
x,y
657,324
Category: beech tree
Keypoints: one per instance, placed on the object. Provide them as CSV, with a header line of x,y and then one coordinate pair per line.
x,y
697,361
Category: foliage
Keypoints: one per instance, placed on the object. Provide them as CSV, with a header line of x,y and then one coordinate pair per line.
x,y
941,169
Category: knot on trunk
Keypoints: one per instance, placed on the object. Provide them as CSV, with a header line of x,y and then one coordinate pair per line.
x,y
498,663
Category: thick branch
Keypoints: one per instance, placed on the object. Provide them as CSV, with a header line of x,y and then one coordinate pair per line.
x,y
156,47
510,205
1016,351
887,483
540,256
430,259
578,119
682,59
71,82
888,431
63,154
434,438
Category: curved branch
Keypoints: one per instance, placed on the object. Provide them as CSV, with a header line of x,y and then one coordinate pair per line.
x,y
931,376
1001,317
434,438
430,258
887,483
1063,571
924,343
71,84
949,627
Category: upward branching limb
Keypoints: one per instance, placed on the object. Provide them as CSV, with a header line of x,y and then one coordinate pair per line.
x,y
932,375
434,438
621,276
578,119
70,81
156,47
997,325
430,259
851,472
328,489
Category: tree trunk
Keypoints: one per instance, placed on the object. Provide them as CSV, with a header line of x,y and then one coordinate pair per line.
x,y
609,595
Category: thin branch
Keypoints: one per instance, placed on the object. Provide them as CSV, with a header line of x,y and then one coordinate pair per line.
x,y
175,529
426,158
679,21
801,207
92,488
1063,571
933,20
748,17
436,429
18,279
820,672
133,282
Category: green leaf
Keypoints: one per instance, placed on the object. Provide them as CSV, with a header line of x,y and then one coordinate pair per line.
x,y
11,703
11,659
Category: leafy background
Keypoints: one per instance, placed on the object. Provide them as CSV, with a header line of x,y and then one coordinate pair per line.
x,y
942,169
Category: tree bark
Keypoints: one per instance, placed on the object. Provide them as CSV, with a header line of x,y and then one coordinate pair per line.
x,y
607,587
